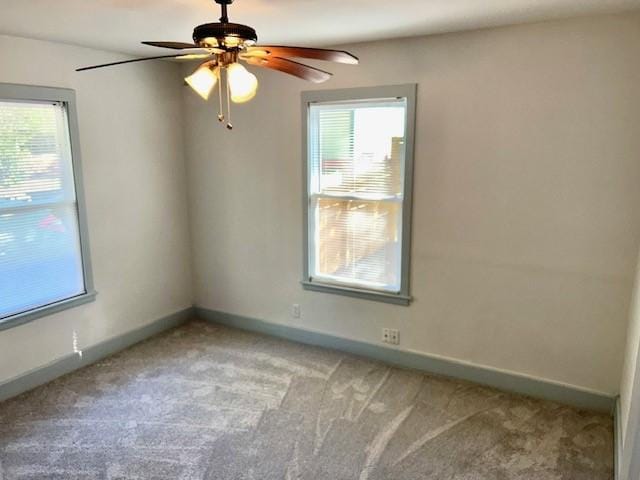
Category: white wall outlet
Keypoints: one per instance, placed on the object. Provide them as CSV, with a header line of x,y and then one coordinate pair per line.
x,y
295,310
391,335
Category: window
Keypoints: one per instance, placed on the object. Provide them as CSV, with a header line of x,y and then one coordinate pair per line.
x,y
359,162
44,256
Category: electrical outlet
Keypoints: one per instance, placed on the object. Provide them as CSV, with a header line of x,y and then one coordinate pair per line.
x,y
295,310
391,336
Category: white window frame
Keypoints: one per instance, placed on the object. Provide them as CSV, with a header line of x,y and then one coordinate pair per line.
x,y
373,94
66,97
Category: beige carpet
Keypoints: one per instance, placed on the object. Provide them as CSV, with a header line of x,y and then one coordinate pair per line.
x,y
208,402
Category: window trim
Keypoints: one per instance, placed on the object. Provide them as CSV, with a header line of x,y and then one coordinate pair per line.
x,y
408,91
67,97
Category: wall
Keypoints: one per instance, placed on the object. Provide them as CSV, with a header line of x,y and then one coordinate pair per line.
x,y
630,385
631,356
134,177
525,207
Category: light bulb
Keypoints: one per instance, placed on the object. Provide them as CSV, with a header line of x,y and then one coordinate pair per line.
x,y
203,80
231,41
242,83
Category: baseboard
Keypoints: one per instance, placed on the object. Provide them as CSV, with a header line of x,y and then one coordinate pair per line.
x,y
503,380
92,354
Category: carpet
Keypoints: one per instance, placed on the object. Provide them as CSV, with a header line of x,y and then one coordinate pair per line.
x,y
209,402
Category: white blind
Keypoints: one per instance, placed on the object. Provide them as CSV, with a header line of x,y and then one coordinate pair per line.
x,y
356,192
40,255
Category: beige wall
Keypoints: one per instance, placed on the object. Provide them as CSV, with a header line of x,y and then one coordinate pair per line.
x,y
526,223
133,162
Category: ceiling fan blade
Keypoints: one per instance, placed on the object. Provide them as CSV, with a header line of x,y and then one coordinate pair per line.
x,y
192,56
93,67
172,45
338,56
296,69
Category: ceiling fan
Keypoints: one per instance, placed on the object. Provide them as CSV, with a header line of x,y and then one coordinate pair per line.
x,y
223,45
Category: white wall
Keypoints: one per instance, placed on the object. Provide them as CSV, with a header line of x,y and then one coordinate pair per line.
x,y
525,228
133,161
630,385
631,356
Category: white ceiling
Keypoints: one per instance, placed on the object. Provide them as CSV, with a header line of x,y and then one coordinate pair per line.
x,y
120,25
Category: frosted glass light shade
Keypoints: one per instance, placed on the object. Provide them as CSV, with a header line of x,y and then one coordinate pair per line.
x,y
203,80
242,83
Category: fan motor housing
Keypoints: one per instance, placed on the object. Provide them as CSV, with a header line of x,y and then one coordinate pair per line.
x,y
225,35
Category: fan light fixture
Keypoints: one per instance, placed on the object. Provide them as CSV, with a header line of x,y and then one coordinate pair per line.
x,y
203,80
242,83
223,45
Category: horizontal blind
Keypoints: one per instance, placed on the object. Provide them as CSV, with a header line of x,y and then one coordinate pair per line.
x,y
356,160
40,255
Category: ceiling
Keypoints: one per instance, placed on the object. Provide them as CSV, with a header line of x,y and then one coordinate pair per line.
x,y
120,25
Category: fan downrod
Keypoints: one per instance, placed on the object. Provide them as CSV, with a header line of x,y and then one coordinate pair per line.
x,y
224,34
224,18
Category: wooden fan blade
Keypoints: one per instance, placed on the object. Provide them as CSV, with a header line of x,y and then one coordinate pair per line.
x,y
296,69
172,45
338,56
93,67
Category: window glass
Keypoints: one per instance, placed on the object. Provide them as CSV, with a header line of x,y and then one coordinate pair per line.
x,y
356,193
40,253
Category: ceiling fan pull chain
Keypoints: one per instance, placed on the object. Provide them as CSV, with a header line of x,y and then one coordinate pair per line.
x,y
220,107
229,124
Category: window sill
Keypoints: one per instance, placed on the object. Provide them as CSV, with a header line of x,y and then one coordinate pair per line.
x,y
397,299
30,315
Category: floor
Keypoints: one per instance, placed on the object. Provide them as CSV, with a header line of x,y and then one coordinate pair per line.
x,y
209,402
